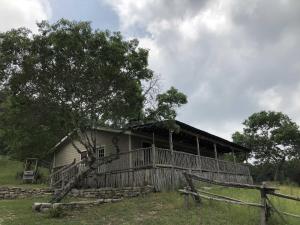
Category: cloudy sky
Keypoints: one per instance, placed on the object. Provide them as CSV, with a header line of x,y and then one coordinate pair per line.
x,y
232,58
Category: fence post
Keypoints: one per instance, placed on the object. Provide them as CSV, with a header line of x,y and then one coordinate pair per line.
x,y
217,160
186,201
153,155
198,153
235,170
172,157
263,211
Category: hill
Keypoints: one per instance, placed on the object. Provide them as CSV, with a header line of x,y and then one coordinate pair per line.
x,y
157,208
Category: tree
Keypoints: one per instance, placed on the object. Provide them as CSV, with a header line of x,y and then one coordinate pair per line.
x,y
90,77
272,136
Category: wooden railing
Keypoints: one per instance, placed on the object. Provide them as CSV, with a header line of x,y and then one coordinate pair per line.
x,y
145,157
154,157
69,173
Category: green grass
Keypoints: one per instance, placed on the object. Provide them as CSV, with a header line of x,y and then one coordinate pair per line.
x,y
8,173
157,208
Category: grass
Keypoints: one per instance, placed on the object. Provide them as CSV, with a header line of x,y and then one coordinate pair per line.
x,y
8,173
165,208
157,208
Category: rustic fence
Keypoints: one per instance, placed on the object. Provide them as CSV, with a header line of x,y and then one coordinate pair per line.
x,y
265,204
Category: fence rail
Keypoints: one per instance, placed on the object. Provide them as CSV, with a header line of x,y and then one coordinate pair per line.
x,y
265,204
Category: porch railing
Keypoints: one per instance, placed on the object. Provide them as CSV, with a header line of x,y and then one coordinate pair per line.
x,y
159,157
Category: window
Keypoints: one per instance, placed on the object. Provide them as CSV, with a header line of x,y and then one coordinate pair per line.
x,y
101,152
83,155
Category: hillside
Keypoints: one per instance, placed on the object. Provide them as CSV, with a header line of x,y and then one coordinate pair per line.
x,y
9,170
158,208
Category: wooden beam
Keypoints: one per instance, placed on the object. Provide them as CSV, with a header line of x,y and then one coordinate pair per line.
x,y
234,161
172,153
216,157
130,151
229,184
198,148
221,199
198,152
211,140
285,196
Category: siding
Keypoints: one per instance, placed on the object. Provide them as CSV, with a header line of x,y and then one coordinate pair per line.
x,y
67,153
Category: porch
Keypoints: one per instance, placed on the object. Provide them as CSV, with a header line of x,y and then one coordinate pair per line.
x,y
155,157
161,168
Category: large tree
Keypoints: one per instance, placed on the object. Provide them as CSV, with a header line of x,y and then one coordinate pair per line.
x,y
70,76
272,136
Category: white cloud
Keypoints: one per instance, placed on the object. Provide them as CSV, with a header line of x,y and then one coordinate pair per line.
x,y
270,99
232,58
23,13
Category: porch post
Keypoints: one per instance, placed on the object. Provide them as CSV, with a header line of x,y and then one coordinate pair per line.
x,y
216,157
234,161
130,172
130,151
172,154
198,153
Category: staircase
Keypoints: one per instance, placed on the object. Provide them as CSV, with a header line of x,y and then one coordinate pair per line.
x,y
67,177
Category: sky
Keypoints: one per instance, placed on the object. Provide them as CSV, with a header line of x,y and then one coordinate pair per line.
x,y
230,57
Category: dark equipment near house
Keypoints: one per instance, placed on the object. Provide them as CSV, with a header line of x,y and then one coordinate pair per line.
x,y
30,170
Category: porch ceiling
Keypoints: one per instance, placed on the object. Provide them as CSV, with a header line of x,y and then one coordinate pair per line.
x,y
188,134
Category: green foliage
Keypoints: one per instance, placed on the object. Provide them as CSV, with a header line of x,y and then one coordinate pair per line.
x,y
272,136
167,104
12,171
70,76
290,172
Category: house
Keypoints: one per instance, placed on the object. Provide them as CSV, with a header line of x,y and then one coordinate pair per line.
x,y
153,154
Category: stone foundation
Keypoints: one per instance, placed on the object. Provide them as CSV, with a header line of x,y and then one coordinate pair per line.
x,y
101,193
107,193
20,192
44,207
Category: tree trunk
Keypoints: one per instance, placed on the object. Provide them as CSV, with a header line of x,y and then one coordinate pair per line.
x,y
93,164
278,169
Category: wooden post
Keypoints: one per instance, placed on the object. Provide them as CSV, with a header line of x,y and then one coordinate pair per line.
x,y
198,153
130,172
235,170
186,201
130,151
216,157
192,187
153,155
172,155
263,211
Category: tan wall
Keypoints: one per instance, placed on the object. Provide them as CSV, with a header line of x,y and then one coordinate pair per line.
x,y
67,153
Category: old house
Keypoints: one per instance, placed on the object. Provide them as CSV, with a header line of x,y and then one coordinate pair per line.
x,y
152,154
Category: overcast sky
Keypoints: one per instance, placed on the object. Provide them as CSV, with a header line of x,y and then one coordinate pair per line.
x,y
231,57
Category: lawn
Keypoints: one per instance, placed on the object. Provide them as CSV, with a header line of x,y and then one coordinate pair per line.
x,y
157,208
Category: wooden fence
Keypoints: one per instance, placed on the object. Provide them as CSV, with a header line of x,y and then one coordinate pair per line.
x,y
265,204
